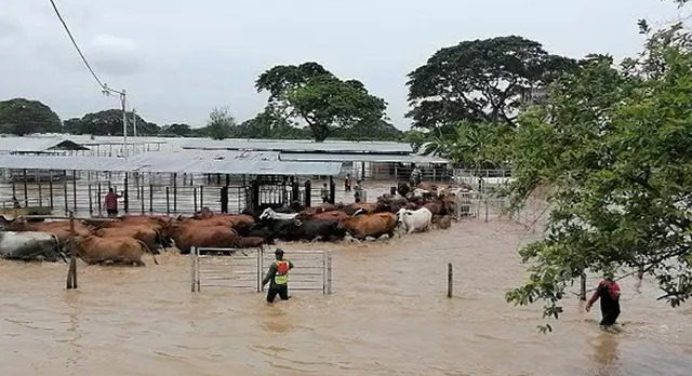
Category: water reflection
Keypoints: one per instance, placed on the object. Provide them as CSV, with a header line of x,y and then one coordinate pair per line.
x,y
605,351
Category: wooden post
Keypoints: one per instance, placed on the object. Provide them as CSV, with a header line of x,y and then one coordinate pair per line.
x,y
194,198
151,198
91,205
40,194
50,188
486,208
450,280
141,198
72,270
582,293
175,192
332,191
64,186
14,186
168,201
308,193
74,191
26,193
98,197
201,196
126,195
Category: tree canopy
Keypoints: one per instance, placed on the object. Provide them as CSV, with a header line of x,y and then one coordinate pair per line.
x,y
109,122
220,125
22,116
614,144
310,94
480,81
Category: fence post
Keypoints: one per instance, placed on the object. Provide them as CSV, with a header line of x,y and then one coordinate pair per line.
x,y
324,273
259,271
193,271
175,192
40,194
450,280
98,193
141,198
201,196
91,205
332,191
151,198
126,195
67,209
308,193
329,273
26,191
168,201
74,190
486,209
50,188
194,198
72,270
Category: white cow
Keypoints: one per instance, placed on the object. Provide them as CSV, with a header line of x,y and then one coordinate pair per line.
x,y
269,213
30,245
415,220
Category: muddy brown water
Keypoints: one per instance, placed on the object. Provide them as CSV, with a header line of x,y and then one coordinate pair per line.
x,y
388,316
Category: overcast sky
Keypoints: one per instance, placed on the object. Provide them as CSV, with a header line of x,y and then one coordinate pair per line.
x,y
179,58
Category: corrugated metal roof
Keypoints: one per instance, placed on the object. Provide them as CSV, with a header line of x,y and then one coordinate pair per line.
x,y
300,146
239,163
330,157
15,144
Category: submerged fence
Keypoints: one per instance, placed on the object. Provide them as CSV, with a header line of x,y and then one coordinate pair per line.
x,y
245,269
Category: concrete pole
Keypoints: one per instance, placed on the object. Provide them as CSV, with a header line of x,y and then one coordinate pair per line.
x,y
123,100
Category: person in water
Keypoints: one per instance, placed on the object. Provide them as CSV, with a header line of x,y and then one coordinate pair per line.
x,y
609,293
277,277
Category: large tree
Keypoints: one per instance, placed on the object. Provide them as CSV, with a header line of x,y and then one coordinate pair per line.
x,y
22,116
176,130
480,81
110,122
614,145
221,124
313,95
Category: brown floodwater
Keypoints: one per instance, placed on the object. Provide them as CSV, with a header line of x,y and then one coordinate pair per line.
x,y
388,316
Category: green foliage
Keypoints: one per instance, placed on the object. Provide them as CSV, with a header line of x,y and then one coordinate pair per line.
x,y
176,130
220,125
109,122
480,81
270,125
22,116
322,101
615,145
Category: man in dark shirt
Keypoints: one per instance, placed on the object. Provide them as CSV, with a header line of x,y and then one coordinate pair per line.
x,y
609,293
277,277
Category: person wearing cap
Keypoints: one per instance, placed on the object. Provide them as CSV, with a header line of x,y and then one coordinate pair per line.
x,y
609,292
277,277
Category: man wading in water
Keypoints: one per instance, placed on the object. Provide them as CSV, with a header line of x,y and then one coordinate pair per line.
x,y
609,293
278,277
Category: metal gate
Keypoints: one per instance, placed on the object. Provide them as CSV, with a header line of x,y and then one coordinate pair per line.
x,y
245,269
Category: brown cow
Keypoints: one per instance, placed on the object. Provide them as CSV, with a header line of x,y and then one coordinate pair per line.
x,y
140,232
124,250
201,236
361,207
336,215
374,225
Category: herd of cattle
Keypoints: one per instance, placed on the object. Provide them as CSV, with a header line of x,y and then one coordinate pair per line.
x,y
125,240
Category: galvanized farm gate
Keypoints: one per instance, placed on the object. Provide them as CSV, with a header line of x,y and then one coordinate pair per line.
x,y
246,268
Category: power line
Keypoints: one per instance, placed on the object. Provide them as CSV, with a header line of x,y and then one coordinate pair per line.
x,y
76,46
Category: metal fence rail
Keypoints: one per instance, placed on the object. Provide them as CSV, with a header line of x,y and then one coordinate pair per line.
x,y
245,269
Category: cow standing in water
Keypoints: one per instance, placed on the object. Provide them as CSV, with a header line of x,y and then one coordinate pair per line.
x,y
30,245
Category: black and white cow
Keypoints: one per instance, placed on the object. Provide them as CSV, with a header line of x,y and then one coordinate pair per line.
x,y
30,245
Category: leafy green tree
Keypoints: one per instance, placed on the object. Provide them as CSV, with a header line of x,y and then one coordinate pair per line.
x,y
480,81
22,116
614,145
221,124
176,130
473,145
378,130
109,122
269,124
322,101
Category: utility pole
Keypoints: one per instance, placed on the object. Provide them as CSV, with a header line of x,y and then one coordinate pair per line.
x,y
134,122
123,100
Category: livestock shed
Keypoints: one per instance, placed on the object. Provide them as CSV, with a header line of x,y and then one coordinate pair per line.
x,y
362,159
164,182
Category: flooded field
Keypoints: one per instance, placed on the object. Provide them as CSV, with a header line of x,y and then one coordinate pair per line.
x,y
388,316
